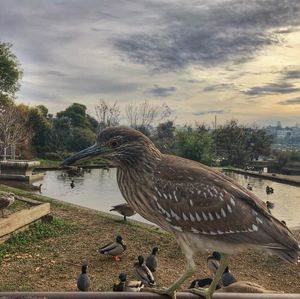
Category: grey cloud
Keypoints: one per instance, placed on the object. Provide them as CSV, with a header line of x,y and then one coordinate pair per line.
x,y
210,34
292,74
199,113
295,101
56,73
273,88
159,91
218,87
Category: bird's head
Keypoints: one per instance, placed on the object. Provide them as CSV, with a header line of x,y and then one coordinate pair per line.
x,y
117,145
123,277
119,239
141,260
155,250
84,269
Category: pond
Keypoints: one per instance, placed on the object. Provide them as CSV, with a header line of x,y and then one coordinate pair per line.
x,y
98,189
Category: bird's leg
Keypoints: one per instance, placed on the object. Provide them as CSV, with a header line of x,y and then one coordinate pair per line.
x,y
2,213
124,218
116,258
208,293
171,290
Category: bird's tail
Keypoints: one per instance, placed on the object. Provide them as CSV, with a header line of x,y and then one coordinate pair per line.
x,y
283,243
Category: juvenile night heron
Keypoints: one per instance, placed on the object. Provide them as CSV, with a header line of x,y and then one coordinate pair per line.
x,y
203,208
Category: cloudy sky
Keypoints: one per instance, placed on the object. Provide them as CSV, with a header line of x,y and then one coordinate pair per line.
x,y
234,59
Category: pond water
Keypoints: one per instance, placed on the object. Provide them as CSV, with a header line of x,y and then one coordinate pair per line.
x,y
98,189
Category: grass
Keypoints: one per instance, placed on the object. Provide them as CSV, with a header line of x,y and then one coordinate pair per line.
x,y
48,163
38,231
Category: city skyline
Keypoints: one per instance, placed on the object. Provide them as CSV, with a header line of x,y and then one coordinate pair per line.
x,y
233,59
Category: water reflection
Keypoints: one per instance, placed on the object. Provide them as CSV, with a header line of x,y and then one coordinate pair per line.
x,y
98,189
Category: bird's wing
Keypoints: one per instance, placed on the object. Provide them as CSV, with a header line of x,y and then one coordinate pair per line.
x,y
213,265
151,263
197,199
4,202
144,274
112,248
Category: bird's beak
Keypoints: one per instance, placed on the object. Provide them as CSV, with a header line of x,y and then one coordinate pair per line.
x,y
86,154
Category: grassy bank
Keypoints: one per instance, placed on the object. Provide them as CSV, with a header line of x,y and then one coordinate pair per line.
x,y
48,256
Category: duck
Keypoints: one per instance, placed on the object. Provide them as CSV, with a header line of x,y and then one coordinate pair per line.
x,y
249,187
213,262
124,209
72,184
114,249
270,205
83,281
127,286
227,278
6,200
202,283
151,260
244,287
36,188
143,273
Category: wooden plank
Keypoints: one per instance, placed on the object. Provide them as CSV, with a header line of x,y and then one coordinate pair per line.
x,y
22,218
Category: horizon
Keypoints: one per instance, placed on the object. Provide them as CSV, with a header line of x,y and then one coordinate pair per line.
x,y
234,59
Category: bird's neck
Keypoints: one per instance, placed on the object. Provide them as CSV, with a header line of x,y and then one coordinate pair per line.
x,y
143,162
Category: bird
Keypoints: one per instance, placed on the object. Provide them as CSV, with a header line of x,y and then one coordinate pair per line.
x,y
203,208
270,205
36,188
83,281
72,184
213,262
151,260
227,278
115,248
249,187
127,286
143,273
6,200
202,283
124,209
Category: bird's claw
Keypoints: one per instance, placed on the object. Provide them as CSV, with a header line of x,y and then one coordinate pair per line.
x,y
162,291
201,292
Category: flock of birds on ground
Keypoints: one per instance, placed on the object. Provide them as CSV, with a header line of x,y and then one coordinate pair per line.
x,y
144,271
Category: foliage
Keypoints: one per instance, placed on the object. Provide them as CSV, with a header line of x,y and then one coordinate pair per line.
x,y
164,136
37,231
10,74
81,138
77,114
194,145
60,134
236,144
41,126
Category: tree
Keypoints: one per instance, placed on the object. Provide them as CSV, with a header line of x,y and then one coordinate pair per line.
x,y
77,114
81,138
10,74
41,128
142,116
107,115
194,145
60,134
13,130
237,144
164,136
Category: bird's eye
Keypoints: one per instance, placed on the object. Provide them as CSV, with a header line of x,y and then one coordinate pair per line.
x,y
114,143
